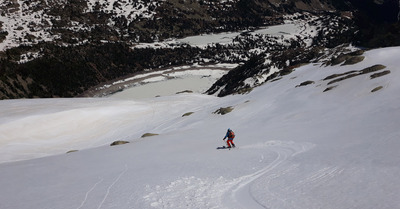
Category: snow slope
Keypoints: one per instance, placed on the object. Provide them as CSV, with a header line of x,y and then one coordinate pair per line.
x,y
299,147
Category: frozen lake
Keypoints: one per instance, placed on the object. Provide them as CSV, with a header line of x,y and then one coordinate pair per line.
x,y
288,30
225,38
171,81
197,84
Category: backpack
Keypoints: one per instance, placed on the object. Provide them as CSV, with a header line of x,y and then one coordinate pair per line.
x,y
231,134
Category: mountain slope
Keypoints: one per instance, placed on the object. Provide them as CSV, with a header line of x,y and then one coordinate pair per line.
x,y
50,70
62,49
47,43
299,146
76,22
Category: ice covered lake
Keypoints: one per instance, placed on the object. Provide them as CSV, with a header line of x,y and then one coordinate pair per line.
x,y
170,83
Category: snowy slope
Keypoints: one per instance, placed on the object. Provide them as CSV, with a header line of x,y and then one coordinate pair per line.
x,y
299,147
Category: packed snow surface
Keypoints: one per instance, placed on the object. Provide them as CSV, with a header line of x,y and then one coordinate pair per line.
x,y
298,147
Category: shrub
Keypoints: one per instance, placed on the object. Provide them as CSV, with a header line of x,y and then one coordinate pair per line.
x,y
187,114
223,110
377,88
339,59
376,75
245,90
186,91
343,78
372,69
148,134
351,74
305,83
118,143
338,75
353,60
329,88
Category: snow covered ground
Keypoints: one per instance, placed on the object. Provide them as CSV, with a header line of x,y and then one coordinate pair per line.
x,y
299,147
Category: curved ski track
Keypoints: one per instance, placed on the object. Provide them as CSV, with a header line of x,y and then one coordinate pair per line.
x,y
193,192
240,196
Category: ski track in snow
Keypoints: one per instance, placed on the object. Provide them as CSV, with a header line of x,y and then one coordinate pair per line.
x,y
319,177
109,188
90,190
193,192
240,195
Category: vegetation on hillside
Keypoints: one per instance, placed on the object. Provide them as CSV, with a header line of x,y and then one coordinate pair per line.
x,y
93,44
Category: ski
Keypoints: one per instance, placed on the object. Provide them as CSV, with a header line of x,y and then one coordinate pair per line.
x,y
229,148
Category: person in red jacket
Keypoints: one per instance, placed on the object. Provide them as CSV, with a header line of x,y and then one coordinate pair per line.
x,y
230,135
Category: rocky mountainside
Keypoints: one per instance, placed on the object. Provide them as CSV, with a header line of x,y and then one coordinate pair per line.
x,y
54,48
80,21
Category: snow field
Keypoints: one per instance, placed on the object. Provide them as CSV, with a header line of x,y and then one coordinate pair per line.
x,y
299,147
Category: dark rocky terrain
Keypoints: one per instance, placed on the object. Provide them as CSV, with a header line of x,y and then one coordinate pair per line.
x,y
63,48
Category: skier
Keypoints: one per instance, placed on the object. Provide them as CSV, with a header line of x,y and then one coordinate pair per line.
x,y
230,135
